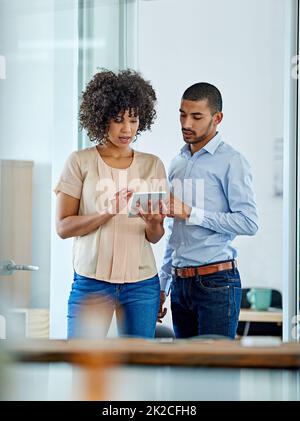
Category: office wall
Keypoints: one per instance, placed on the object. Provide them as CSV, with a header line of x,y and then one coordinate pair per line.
x,y
237,45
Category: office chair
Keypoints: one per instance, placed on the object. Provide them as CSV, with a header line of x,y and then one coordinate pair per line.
x,y
261,328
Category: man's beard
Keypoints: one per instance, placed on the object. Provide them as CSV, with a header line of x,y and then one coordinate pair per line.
x,y
200,138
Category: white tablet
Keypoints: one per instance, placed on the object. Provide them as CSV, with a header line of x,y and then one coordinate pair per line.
x,y
142,198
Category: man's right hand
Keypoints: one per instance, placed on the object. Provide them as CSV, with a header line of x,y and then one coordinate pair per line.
x,y
162,311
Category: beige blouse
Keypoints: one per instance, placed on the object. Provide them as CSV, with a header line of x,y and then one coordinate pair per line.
x,y
118,250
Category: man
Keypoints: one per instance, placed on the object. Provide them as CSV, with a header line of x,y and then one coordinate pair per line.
x,y
216,206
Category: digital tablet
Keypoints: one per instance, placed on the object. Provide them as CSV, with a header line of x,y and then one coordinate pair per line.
x,y
142,198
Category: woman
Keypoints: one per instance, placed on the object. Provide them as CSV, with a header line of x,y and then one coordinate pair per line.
x,y
114,266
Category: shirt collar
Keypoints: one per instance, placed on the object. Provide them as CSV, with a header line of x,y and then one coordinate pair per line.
x,y
210,147
213,144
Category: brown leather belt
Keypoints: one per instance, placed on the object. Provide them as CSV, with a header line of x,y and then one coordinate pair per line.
x,y
191,271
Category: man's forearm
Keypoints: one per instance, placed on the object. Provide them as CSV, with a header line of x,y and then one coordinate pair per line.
x,y
236,223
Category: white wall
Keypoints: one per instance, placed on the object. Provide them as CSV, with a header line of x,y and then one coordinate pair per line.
x,y
238,45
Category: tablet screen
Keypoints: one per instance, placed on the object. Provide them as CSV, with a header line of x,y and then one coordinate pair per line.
x,y
142,198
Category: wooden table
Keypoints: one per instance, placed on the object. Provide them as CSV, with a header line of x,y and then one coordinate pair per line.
x,y
215,363
192,352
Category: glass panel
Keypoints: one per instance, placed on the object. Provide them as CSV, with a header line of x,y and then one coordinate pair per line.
x,y
49,49
98,42
30,100
295,76
291,175
106,40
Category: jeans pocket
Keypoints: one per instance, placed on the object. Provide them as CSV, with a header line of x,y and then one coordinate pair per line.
x,y
212,284
222,280
237,296
213,287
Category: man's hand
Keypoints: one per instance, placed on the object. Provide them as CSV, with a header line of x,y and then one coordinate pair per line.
x,y
162,311
178,209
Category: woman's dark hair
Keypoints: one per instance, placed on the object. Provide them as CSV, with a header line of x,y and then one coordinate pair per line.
x,y
108,94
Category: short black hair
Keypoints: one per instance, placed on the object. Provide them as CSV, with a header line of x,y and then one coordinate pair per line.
x,y
109,94
203,90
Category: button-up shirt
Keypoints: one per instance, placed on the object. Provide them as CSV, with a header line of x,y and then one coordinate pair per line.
x,y
217,185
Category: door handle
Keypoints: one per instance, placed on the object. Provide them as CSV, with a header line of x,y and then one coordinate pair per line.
x,y
8,267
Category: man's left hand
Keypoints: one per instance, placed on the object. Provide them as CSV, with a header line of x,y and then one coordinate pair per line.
x,y
162,310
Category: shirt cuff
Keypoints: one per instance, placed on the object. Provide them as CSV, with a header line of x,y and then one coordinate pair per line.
x,y
165,285
196,217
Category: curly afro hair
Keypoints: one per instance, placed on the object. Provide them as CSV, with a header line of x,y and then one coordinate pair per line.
x,y
109,94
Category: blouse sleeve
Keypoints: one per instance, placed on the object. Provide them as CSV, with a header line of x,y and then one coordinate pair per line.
x,y
161,177
70,181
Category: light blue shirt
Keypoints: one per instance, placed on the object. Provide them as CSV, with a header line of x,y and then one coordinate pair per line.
x,y
227,208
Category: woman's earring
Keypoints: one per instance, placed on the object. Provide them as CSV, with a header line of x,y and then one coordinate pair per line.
x,y
105,139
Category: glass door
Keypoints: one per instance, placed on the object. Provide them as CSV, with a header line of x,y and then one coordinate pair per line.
x,y
49,49
291,233
295,76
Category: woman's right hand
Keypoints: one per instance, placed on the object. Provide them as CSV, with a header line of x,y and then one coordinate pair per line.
x,y
119,202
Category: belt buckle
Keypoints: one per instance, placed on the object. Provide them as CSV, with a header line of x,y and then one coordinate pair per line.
x,y
197,269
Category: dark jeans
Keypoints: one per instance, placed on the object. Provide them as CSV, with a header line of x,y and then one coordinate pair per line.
x,y
206,305
92,303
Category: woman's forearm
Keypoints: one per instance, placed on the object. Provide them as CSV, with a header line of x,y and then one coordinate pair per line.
x,y
78,225
154,233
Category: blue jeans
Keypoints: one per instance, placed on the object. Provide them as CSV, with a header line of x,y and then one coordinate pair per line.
x,y
92,303
206,305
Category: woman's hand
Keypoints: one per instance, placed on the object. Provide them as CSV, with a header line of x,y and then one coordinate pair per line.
x,y
152,217
119,201
154,220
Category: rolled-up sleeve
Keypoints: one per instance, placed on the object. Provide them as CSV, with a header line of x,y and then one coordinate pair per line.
x,y
70,181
